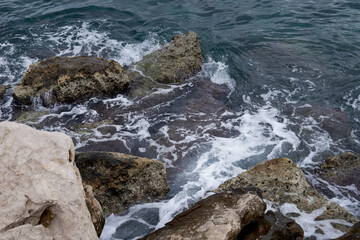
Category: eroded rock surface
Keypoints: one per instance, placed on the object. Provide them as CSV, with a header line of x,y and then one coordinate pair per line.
x,y
42,195
353,234
2,91
95,209
220,216
120,180
62,79
281,181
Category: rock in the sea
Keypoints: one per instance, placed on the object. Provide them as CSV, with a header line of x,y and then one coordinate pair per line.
x,y
42,195
282,181
2,91
62,79
342,169
120,180
175,63
219,217
95,209
274,226
353,234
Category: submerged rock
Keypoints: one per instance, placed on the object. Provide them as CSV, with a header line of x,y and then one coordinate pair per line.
x,y
342,169
62,79
220,216
281,181
120,180
42,195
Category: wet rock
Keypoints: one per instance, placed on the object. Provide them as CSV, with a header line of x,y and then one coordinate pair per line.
x,y
120,180
95,209
274,226
282,181
353,234
2,91
220,216
175,63
131,229
63,79
30,116
42,195
342,169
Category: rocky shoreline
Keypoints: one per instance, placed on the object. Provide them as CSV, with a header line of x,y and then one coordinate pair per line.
x,y
51,192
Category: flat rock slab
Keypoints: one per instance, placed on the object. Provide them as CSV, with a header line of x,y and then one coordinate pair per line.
x,y
62,79
42,195
282,181
121,180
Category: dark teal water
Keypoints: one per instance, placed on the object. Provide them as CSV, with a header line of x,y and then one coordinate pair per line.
x,y
292,69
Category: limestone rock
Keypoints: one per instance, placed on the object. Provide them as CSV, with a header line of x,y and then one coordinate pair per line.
x,y
342,169
175,63
119,180
62,79
95,209
42,196
220,216
282,181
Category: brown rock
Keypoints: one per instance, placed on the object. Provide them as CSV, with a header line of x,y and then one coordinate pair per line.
x,y
63,79
95,209
2,91
220,216
353,234
42,195
282,181
120,180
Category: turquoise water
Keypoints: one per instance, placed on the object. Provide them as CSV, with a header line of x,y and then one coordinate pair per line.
x,y
287,74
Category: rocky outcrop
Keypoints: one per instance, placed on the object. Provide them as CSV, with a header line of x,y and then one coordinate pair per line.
x,y
62,79
342,169
175,63
120,180
220,216
281,181
42,196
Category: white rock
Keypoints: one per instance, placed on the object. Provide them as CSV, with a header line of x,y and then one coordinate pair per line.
x,y
41,192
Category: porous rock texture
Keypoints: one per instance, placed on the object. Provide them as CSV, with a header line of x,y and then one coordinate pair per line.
x,y
218,217
172,64
95,209
342,169
63,79
120,180
281,181
42,195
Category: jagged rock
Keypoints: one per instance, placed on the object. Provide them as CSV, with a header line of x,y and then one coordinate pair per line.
x,y
175,63
119,180
282,181
342,169
95,209
62,79
2,91
274,226
42,195
220,216
353,234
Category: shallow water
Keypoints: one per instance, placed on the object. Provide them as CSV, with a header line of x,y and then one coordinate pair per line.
x,y
280,79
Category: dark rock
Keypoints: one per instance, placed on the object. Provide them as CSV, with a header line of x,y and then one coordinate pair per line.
x,y
96,212
63,79
220,216
274,226
120,180
353,234
149,215
282,181
131,229
342,169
